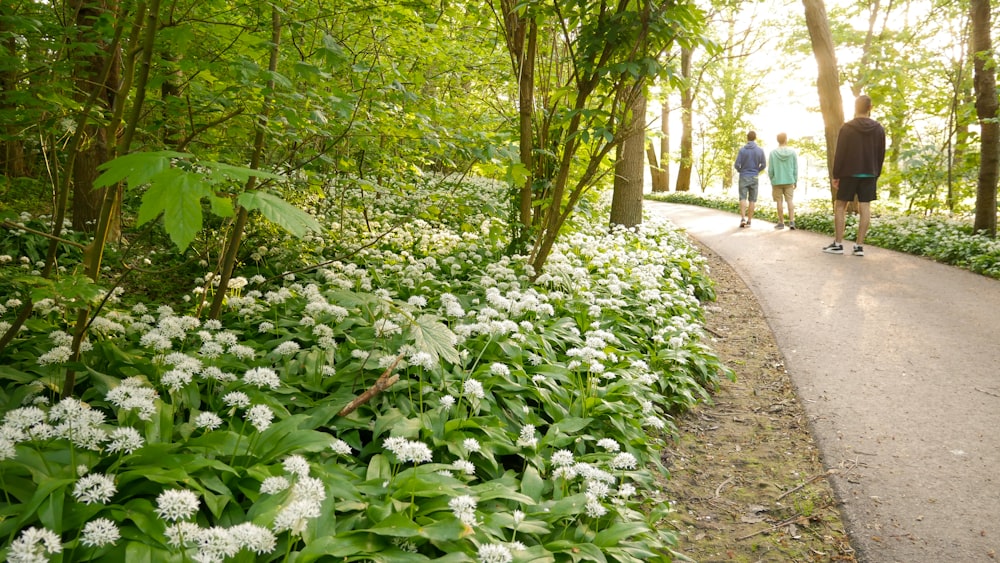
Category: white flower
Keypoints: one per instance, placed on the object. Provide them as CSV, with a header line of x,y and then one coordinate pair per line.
x,y
287,348
274,485
208,420
464,508
471,445
94,488
447,402
499,369
527,437
260,416
464,466
236,399
474,389
296,465
176,504
340,447
125,439
562,458
494,553
215,544
100,532
624,460
180,534
595,509
32,546
608,444
407,450
254,538
262,377
295,516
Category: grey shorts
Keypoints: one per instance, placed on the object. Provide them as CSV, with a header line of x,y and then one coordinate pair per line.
x,y
748,188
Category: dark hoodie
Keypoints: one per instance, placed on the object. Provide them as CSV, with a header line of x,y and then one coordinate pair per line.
x,y
860,149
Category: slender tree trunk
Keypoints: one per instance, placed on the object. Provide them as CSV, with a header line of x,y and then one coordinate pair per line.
x,y
626,202
687,135
98,142
242,215
659,167
828,81
986,111
12,161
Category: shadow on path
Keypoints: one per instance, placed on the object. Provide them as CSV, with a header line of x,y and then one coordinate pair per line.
x,y
897,362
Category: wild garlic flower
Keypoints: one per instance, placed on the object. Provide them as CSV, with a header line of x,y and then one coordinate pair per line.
x,y
473,389
340,447
296,465
274,485
287,348
254,538
527,437
464,508
125,439
260,416
494,553
134,394
33,545
295,516
236,399
471,445
95,488
562,458
99,533
262,377
407,450
499,369
447,402
176,504
464,466
207,420
623,460
608,444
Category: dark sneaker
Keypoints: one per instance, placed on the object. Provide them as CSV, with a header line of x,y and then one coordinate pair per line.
x,y
791,225
834,248
748,223
779,226
858,250
743,223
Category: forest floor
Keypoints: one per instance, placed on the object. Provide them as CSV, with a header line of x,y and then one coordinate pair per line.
x,y
746,478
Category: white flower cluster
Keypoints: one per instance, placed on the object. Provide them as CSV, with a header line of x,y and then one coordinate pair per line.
x,y
407,451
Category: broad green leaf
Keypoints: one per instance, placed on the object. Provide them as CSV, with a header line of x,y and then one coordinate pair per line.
x,y
177,195
222,171
280,212
532,483
432,336
396,525
138,167
612,536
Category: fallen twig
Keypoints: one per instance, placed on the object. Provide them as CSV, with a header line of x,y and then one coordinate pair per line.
x,y
772,528
807,481
384,381
718,490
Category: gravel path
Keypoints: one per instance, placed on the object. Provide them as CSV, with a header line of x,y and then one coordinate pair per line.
x,y
897,362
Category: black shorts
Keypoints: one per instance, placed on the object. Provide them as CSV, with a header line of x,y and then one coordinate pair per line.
x,y
863,187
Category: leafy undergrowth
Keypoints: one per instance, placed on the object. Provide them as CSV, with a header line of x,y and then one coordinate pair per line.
x,y
396,389
947,240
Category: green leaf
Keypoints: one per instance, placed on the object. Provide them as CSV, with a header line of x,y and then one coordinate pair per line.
x,y
612,536
396,525
177,195
430,335
532,483
280,212
138,167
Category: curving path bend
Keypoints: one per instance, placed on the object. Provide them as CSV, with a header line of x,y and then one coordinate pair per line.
x,y
896,360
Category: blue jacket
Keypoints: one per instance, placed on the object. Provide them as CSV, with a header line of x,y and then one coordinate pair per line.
x,y
750,160
783,166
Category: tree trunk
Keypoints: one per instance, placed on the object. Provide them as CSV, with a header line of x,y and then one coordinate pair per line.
x,y
986,110
626,202
97,147
659,167
828,80
687,135
12,161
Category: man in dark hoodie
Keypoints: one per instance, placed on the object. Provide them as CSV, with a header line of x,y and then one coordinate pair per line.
x,y
749,163
857,164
